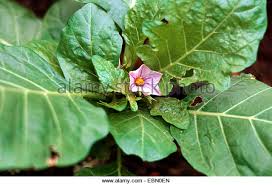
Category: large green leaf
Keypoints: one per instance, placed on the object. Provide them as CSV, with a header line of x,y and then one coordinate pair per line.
x,y
205,40
230,133
117,9
17,24
90,31
37,120
140,134
56,18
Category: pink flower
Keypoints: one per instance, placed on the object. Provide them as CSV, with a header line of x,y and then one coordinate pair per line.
x,y
145,80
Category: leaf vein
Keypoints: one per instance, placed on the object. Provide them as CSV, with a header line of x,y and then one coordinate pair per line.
x,y
226,142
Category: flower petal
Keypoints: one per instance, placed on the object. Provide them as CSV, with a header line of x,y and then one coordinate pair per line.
x,y
149,89
145,71
133,74
151,81
156,91
154,78
133,88
132,77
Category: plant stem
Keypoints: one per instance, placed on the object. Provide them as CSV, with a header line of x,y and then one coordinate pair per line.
x,y
119,162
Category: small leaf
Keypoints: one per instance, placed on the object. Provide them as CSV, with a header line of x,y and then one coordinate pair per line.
x,y
56,18
230,132
117,9
140,134
41,123
90,31
132,99
110,77
172,111
105,170
18,25
117,104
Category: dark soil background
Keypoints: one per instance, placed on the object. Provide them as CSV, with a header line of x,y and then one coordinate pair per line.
x,y
262,69
174,165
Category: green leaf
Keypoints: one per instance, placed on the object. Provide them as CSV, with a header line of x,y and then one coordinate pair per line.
x,y
166,85
117,9
90,31
230,133
172,111
37,119
17,24
140,134
110,77
212,38
46,50
144,10
117,104
132,99
56,18
105,170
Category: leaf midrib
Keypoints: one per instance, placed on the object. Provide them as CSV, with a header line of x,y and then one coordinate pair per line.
x,y
216,114
2,41
42,93
23,78
42,90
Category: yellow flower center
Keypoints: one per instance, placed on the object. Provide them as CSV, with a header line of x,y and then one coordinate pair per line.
x,y
139,81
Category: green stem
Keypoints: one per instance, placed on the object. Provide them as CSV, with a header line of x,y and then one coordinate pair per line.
x,y
119,162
